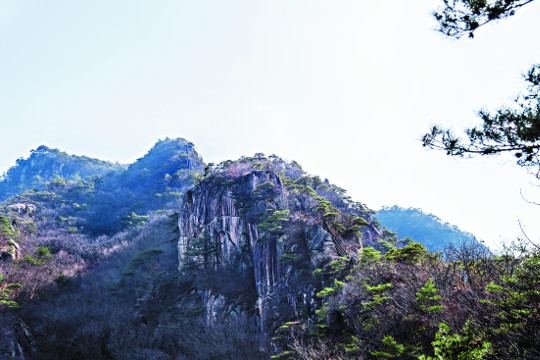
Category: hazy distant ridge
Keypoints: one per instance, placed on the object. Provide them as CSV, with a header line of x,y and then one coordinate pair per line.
x,y
428,229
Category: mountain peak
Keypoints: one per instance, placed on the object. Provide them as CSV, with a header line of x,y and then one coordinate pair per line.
x,y
45,164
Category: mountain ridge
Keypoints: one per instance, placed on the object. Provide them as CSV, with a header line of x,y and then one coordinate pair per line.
x,y
256,254
45,164
428,229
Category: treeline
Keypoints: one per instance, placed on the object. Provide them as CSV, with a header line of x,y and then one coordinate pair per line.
x,y
410,304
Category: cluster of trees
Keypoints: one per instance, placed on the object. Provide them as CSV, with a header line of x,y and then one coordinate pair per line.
x,y
131,304
153,182
395,300
98,278
103,203
66,225
46,164
410,304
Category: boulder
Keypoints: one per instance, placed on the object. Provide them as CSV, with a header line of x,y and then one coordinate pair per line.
x,y
10,250
16,340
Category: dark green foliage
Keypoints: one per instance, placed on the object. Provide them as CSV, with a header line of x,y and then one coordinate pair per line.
x,y
459,17
514,129
133,219
145,256
62,281
388,242
6,230
410,254
44,252
288,257
7,291
515,298
368,257
391,307
43,255
394,350
338,285
272,219
200,253
467,346
428,299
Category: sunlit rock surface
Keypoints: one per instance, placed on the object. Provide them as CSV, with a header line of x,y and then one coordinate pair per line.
x,y
214,217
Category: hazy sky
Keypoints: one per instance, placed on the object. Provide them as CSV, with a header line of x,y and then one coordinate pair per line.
x,y
346,88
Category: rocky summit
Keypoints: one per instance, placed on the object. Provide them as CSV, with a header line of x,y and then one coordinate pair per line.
x,y
251,217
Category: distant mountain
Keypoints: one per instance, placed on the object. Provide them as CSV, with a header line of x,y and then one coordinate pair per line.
x,y
427,229
159,178
45,164
100,197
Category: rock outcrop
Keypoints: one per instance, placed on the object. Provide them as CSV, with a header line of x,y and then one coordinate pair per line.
x,y
10,250
21,209
252,225
17,222
16,341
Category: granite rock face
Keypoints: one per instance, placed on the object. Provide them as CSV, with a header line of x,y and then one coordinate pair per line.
x,y
18,215
254,226
10,250
22,209
16,341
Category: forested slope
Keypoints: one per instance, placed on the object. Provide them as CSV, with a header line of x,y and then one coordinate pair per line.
x,y
45,164
424,228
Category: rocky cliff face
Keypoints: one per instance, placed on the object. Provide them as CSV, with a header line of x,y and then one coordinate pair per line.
x,y
18,220
16,341
271,231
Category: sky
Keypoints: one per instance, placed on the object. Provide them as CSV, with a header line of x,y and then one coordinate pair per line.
x,y
346,88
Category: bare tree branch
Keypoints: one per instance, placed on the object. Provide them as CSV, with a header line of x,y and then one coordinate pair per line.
x,y
526,237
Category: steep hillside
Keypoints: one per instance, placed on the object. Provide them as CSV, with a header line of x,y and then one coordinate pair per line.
x,y
266,226
104,204
427,229
250,259
51,238
153,182
45,164
259,238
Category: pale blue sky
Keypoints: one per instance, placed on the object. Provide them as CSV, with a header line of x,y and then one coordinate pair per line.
x,y
346,88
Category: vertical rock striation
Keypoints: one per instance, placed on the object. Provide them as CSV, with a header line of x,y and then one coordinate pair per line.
x,y
251,225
